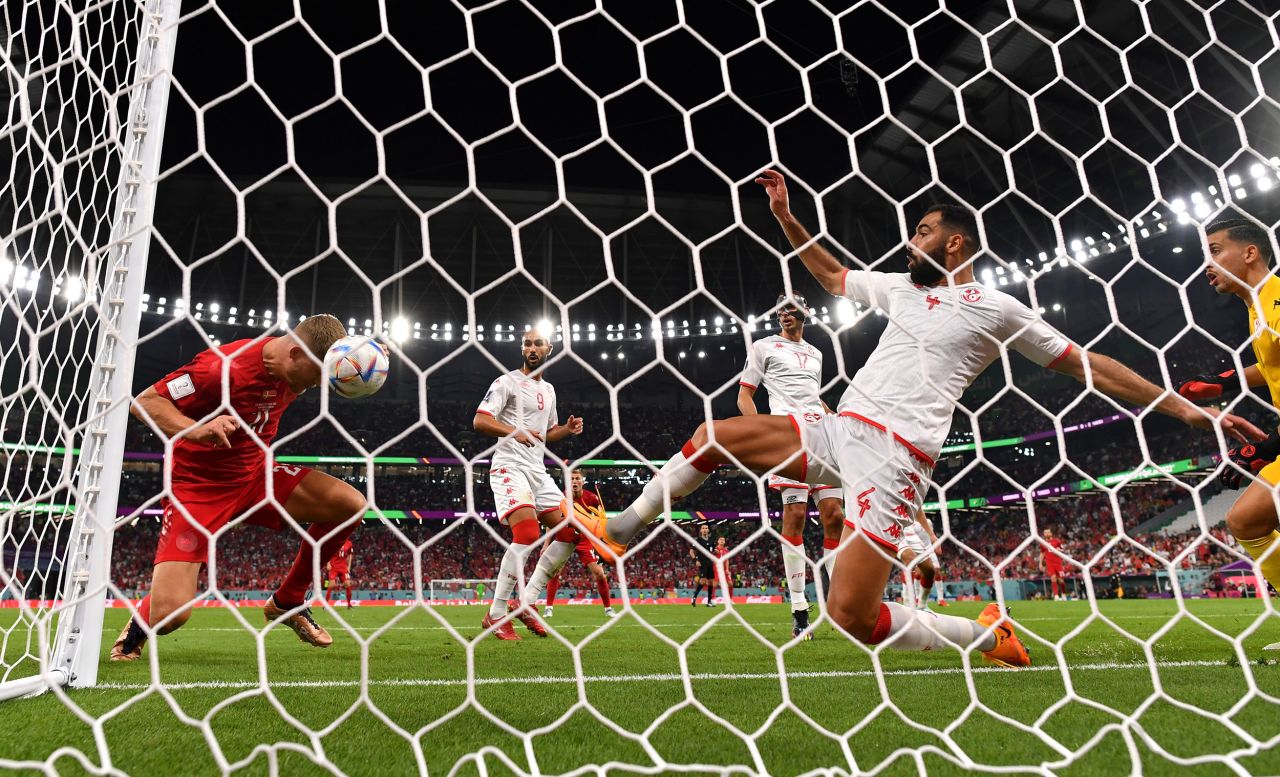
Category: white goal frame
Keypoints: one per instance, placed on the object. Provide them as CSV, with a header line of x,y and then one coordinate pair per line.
x,y
72,657
443,581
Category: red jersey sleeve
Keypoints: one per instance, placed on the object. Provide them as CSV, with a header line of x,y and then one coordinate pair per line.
x,y
196,387
589,498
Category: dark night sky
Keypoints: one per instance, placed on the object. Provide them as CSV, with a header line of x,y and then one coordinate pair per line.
x,y
306,170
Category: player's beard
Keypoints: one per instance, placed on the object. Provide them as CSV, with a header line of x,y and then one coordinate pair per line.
x,y
531,366
925,273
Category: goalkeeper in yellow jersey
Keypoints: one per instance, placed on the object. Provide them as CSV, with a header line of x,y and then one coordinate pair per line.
x,y
1240,264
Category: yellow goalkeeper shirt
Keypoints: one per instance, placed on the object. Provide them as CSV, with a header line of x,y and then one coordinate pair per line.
x,y
1266,335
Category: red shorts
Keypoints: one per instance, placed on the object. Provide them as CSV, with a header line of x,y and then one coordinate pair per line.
x,y
339,577
1053,570
586,551
214,505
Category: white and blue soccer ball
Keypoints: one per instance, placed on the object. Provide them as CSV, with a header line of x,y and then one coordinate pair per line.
x,y
356,366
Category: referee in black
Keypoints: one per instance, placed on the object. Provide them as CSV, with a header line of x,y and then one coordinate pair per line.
x,y
706,563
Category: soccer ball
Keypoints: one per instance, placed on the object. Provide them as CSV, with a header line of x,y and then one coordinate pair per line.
x,y
356,366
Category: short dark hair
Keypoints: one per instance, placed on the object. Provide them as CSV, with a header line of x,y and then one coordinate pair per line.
x,y
958,218
1244,231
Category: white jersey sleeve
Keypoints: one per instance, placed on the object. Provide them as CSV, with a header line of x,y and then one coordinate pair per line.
x,y
868,287
495,399
1030,336
753,373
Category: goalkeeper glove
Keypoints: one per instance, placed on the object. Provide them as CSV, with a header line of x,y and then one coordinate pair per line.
x,y
1251,457
1209,387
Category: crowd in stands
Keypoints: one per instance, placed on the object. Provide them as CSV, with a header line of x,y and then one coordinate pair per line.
x,y
251,558
254,559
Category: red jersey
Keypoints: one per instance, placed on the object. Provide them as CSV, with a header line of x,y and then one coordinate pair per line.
x,y
1050,558
341,561
257,397
589,498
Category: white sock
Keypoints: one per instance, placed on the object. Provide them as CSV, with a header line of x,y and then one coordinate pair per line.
x,y
908,591
793,563
512,565
678,476
548,564
911,629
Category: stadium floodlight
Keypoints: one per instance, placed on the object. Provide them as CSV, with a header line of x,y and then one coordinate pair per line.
x,y
1265,184
213,306
73,289
1257,170
399,329
845,313
544,326
604,356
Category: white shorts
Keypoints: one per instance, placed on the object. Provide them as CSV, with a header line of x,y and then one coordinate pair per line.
x,y
884,475
794,493
917,540
517,487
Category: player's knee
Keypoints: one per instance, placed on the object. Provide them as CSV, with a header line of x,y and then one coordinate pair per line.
x,y
1245,522
350,503
793,516
857,622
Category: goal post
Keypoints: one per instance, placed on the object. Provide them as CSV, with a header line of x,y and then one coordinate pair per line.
x,y
460,590
113,275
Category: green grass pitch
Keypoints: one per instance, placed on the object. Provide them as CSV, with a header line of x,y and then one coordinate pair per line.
x,y
719,705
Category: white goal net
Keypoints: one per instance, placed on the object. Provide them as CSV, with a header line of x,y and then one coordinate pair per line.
x,y
447,175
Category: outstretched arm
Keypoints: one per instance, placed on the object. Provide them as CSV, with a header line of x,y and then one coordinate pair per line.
x,y
820,263
1116,380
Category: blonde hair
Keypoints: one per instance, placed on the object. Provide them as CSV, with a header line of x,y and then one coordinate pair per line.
x,y
318,333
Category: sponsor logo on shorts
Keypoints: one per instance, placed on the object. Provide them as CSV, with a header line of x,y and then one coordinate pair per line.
x,y
864,504
187,541
894,531
903,512
908,493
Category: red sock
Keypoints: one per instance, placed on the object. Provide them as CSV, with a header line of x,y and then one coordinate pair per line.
x,y
526,532
293,591
603,587
553,586
328,594
144,609
830,543
348,594
1054,583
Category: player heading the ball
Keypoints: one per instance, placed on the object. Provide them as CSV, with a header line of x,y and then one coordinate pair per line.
x,y
221,412
894,417
520,408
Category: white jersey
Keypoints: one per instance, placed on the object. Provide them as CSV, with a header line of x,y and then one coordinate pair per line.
x,y
939,339
791,372
525,403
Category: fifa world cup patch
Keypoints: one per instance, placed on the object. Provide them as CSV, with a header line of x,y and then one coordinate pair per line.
x,y
180,387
